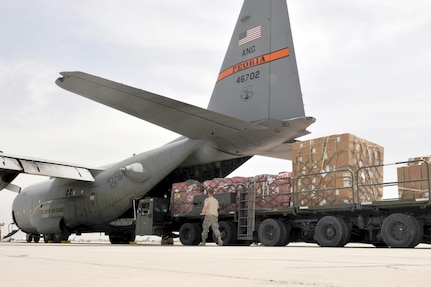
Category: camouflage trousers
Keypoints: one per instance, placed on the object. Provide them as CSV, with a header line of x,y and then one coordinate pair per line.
x,y
210,220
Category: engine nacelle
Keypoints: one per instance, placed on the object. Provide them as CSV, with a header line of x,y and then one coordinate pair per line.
x,y
136,172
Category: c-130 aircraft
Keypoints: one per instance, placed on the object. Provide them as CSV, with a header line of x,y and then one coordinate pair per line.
x,y
256,108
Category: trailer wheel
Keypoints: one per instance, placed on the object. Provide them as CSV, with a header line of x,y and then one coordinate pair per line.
x,y
271,232
331,231
286,234
189,234
400,231
227,232
420,232
347,231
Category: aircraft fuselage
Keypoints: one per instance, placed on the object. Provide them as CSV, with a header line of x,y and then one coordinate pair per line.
x,y
58,204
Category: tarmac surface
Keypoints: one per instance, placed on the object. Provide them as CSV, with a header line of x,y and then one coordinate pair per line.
x,y
144,264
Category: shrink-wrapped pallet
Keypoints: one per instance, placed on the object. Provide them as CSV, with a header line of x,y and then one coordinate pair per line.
x,y
220,185
182,196
324,169
272,191
226,185
413,179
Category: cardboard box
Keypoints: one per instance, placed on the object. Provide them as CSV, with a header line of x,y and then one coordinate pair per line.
x,y
413,180
324,168
419,160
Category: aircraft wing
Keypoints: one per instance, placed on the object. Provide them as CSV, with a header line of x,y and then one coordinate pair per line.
x,y
11,166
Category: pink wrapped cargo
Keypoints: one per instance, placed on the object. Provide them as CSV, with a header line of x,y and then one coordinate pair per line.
x,y
226,185
272,191
182,196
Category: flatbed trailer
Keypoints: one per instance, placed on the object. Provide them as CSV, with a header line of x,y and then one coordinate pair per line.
x,y
399,223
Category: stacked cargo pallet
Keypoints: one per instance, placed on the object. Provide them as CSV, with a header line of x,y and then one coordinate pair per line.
x,y
324,169
226,185
182,196
272,192
220,185
413,178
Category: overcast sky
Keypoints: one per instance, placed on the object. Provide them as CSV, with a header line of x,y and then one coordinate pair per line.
x,y
365,68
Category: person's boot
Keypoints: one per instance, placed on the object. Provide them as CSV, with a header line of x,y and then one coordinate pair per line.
x,y
220,242
202,243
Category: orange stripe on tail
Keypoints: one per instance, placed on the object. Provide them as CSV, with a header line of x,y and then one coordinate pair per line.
x,y
253,62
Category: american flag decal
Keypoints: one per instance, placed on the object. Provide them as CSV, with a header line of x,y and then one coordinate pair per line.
x,y
250,35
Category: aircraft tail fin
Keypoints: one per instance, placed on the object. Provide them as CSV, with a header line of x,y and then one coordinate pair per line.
x,y
259,78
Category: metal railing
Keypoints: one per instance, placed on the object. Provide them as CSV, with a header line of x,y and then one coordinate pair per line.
x,y
324,188
413,179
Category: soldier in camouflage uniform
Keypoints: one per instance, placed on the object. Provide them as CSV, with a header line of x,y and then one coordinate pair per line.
x,y
210,210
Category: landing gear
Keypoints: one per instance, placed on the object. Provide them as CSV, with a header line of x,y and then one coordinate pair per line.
x,y
57,237
32,237
48,238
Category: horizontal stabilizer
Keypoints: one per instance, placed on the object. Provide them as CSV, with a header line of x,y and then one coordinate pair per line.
x,y
185,119
225,133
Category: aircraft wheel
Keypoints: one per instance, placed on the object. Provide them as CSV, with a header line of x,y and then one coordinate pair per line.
x,y
36,238
47,238
271,232
227,232
59,237
189,234
401,231
331,231
29,238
